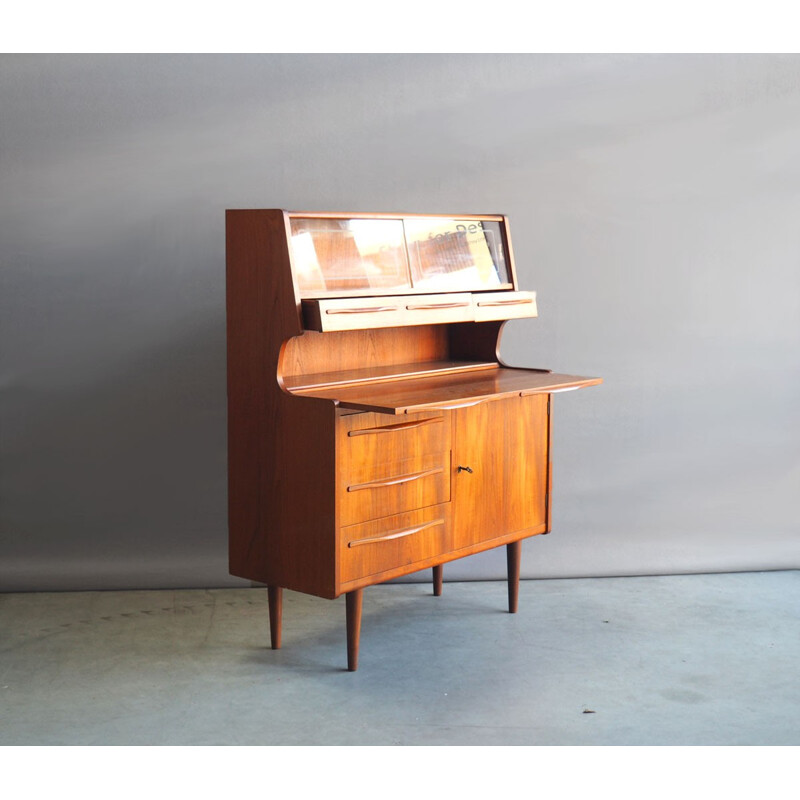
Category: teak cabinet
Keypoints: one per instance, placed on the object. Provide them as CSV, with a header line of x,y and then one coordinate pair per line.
x,y
373,430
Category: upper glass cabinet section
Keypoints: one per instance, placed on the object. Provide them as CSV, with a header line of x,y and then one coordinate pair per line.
x,y
340,256
455,255
349,256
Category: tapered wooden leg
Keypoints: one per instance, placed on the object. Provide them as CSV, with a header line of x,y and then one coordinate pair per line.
x,y
353,600
512,555
438,577
275,599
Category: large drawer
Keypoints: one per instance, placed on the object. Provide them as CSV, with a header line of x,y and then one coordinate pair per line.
x,y
369,438
369,491
393,542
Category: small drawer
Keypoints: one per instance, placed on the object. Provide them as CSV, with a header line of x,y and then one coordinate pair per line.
x,y
354,313
370,491
393,542
370,437
503,305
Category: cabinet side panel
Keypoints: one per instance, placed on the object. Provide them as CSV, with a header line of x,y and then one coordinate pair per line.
x,y
280,448
246,296
476,340
298,496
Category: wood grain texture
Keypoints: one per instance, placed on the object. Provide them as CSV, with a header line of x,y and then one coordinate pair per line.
x,y
389,548
391,372
415,395
385,467
270,433
505,445
339,351
422,421
432,561
370,439
526,443
375,490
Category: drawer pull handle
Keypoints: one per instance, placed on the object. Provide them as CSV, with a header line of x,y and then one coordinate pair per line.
x,y
412,476
367,310
403,426
395,534
529,392
520,301
453,406
438,305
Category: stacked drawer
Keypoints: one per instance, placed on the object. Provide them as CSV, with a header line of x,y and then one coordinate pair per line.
x,y
393,487
348,313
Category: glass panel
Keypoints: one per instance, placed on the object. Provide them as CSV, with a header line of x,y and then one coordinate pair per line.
x,y
456,254
346,255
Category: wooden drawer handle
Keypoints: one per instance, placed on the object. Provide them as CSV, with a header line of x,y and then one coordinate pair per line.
x,y
412,476
368,310
529,392
520,301
453,406
439,305
403,426
395,534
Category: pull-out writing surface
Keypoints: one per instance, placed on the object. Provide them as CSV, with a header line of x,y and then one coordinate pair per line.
x,y
395,372
449,391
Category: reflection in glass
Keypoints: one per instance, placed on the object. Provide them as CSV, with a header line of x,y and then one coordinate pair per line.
x,y
456,255
345,255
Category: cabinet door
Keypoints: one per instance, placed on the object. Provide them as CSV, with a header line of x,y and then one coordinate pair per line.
x,y
505,445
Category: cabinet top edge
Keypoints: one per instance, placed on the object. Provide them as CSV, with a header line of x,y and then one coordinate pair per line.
x,y
373,214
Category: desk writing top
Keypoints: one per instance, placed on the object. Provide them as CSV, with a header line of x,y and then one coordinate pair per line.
x,y
452,390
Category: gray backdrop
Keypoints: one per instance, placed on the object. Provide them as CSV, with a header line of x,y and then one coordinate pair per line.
x,y
654,205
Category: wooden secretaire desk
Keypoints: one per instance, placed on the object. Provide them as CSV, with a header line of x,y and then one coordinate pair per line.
x,y
373,429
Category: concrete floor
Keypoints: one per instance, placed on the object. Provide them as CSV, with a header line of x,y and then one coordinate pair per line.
x,y
687,660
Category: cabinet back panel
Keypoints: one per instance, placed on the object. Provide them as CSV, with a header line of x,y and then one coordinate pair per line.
x,y
346,350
